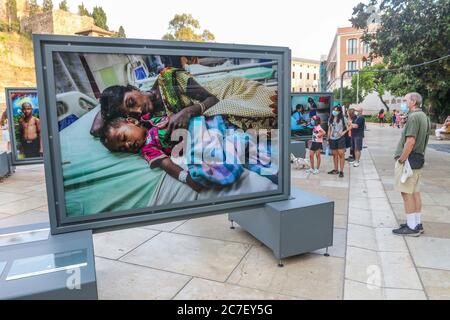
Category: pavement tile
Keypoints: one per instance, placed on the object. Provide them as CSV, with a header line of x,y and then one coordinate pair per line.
x,y
216,227
360,291
201,289
307,276
115,244
194,256
430,252
361,237
399,271
122,281
436,283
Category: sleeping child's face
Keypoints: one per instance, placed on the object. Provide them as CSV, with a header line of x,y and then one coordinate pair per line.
x,y
124,135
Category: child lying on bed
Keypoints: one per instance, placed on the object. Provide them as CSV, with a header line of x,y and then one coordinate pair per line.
x,y
129,135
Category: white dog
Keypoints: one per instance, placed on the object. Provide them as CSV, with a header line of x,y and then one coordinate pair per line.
x,y
300,163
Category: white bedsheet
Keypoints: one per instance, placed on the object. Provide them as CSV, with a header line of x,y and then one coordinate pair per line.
x,y
171,190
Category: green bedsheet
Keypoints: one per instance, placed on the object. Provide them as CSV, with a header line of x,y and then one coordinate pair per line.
x,y
96,180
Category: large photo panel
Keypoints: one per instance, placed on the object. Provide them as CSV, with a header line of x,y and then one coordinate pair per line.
x,y
24,125
162,133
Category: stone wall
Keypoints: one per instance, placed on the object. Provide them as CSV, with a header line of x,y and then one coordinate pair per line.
x,y
39,23
68,23
56,22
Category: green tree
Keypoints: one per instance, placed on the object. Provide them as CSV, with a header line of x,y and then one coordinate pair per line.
x,y
63,5
412,32
184,27
100,19
121,32
47,6
348,96
83,11
33,8
11,14
370,81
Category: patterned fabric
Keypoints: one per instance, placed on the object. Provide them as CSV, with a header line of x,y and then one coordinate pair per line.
x,y
156,145
246,103
222,157
172,83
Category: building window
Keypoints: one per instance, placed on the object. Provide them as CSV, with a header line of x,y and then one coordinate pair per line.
x,y
301,75
300,90
307,89
352,46
366,47
314,89
315,76
293,89
293,75
307,76
351,65
365,63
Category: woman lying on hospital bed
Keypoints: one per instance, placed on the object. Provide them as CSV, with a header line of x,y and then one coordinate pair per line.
x,y
170,105
247,104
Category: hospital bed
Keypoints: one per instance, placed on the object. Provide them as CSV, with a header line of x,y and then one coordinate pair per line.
x,y
262,72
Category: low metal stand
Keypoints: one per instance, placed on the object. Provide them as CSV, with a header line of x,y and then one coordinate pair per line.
x,y
36,265
299,225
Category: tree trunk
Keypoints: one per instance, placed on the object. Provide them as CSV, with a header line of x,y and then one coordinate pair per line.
x,y
382,101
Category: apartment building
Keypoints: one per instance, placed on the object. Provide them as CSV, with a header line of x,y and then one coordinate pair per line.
x,y
305,75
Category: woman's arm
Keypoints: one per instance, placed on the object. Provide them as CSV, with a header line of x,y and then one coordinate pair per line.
x,y
174,171
197,92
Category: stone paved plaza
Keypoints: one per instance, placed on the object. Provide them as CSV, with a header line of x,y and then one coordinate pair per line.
x,y
204,259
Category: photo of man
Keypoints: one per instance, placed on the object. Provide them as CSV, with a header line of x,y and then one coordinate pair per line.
x,y
30,132
25,124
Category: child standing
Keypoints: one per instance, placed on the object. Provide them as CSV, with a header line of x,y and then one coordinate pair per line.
x,y
316,145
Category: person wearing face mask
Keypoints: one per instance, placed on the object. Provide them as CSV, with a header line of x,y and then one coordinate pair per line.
x,y
411,148
336,136
357,131
351,118
316,145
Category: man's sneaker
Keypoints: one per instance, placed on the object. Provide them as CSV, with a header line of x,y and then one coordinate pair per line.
x,y
356,164
316,171
406,231
419,227
309,170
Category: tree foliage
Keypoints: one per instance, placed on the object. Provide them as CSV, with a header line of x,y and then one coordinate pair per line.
x,y
184,27
47,6
121,32
83,11
63,5
100,19
33,8
370,81
348,96
412,32
11,13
